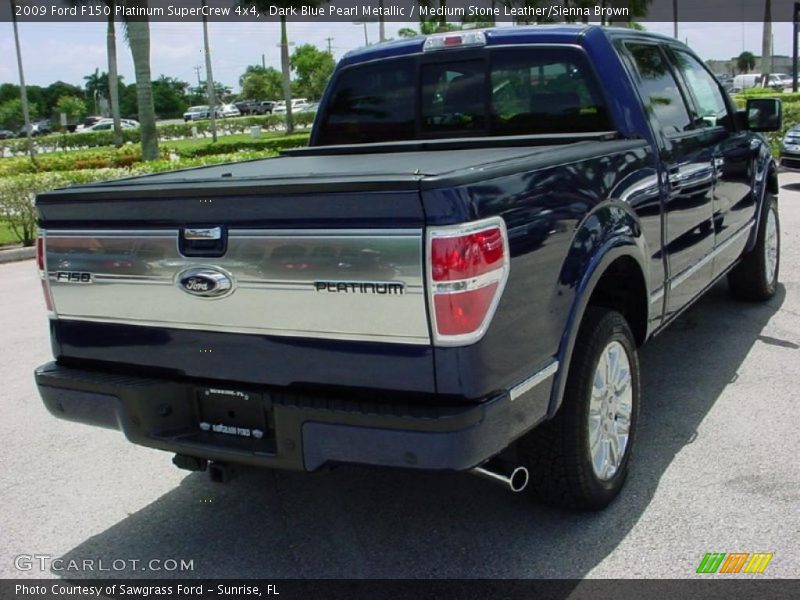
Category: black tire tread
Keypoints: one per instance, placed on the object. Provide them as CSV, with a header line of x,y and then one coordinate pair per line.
x,y
554,452
746,280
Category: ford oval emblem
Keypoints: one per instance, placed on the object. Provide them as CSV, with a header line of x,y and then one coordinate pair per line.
x,y
206,282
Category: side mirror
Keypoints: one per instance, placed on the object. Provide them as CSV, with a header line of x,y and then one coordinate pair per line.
x,y
764,114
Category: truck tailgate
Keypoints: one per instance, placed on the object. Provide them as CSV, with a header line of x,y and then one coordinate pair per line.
x,y
355,284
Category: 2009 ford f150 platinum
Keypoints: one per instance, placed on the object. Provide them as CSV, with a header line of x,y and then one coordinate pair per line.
x,y
456,274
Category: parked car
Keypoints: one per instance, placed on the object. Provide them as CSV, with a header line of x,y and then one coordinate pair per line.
x,y
308,107
228,110
265,107
726,81
42,127
88,122
450,281
790,149
195,113
108,124
297,105
246,107
6,134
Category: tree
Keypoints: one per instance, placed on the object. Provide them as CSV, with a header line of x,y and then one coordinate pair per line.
x,y
72,106
112,83
113,79
259,83
53,93
745,61
127,100
313,68
264,6
407,32
11,116
138,29
95,84
199,95
169,96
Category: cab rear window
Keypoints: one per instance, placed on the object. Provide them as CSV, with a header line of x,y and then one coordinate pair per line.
x,y
506,92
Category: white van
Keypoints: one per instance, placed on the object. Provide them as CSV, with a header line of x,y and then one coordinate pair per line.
x,y
776,81
747,80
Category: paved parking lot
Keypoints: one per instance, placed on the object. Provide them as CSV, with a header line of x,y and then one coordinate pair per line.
x,y
716,470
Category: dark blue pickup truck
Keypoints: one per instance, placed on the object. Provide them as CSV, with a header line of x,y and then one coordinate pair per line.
x,y
454,275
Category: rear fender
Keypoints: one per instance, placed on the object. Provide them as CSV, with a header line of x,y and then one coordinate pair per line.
x,y
609,233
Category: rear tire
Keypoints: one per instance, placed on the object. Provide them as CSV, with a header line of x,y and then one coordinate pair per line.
x,y
580,458
755,278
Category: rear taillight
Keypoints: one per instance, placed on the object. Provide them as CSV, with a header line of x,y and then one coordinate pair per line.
x,y
467,270
40,253
41,265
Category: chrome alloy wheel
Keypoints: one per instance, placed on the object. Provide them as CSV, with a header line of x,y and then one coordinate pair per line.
x,y
610,410
771,247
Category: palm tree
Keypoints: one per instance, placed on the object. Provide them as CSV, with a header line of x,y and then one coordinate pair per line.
x,y
138,30
745,61
212,97
26,115
263,6
95,82
286,68
113,80
766,43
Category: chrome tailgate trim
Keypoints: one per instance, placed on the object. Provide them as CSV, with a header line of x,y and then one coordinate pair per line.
x,y
281,281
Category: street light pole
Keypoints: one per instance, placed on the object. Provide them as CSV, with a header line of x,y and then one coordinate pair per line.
x,y
795,19
366,36
26,115
212,96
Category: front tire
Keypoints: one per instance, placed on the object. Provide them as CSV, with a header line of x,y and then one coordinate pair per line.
x,y
755,278
580,459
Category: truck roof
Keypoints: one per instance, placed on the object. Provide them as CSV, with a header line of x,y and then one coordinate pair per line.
x,y
542,34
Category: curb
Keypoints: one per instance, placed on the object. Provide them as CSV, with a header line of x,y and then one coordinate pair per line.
x,y
16,254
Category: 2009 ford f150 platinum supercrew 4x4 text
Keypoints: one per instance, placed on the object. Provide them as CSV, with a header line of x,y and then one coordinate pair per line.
x,y
454,275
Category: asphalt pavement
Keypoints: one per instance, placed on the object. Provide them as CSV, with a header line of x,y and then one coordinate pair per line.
x,y
716,470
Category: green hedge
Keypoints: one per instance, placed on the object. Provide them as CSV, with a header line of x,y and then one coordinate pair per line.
x,y
223,147
70,161
128,156
17,192
94,139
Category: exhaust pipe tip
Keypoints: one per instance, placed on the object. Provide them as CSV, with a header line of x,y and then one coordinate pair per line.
x,y
515,479
518,480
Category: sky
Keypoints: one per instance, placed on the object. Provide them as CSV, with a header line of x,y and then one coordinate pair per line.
x,y
69,51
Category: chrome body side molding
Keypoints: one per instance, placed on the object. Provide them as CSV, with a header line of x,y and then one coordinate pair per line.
x,y
534,380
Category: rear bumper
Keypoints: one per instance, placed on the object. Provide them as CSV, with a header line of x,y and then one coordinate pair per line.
x,y
300,431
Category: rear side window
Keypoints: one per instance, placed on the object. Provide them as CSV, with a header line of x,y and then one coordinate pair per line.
x,y
544,92
373,103
659,89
